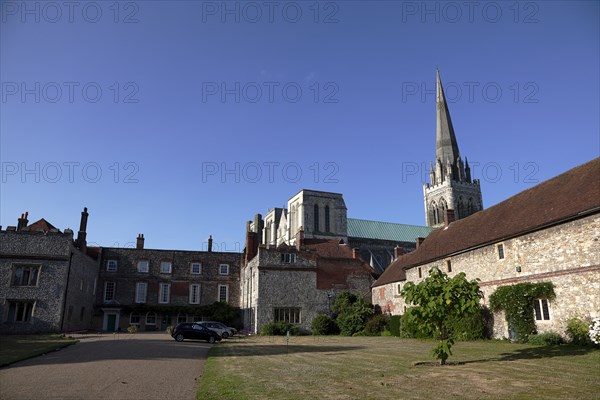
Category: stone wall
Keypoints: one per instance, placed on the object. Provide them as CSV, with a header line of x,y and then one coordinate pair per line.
x,y
51,251
567,255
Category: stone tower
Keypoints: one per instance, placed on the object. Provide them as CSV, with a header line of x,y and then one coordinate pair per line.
x,y
450,187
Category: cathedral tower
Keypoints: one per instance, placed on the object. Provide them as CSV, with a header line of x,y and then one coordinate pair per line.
x,y
450,184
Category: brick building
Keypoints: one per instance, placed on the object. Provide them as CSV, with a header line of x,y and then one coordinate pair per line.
x,y
47,282
153,289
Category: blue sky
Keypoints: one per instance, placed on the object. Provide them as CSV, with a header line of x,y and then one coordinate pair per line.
x,y
183,119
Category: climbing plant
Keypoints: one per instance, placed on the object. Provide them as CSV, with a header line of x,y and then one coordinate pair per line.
x,y
517,303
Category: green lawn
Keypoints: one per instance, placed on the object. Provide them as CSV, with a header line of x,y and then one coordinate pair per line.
x,y
333,367
15,348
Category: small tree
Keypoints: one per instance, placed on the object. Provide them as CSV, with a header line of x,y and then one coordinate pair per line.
x,y
439,299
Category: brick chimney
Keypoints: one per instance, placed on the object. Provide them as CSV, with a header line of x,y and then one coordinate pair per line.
x,y
398,251
355,254
449,217
420,241
251,245
22,222
82,234
139,242
210,243
299,239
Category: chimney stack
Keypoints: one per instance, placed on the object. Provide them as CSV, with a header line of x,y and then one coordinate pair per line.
x,y
398,251
355,254
420,241
299,239
22,222
449,217
82,234
139,243
210,243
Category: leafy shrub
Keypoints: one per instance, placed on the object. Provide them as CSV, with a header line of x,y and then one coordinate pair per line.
x,y
377,324
169,329
132,329
410,327
386,333
323,325
545,339
467,326
394,326
360,333
578,331
354,316
279,328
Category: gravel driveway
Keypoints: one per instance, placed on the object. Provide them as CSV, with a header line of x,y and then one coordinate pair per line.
x,y
119,366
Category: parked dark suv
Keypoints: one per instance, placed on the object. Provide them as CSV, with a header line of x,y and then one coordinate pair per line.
x,y
190,330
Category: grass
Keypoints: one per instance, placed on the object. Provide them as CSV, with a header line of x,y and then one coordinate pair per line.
x,y
15,348
333,367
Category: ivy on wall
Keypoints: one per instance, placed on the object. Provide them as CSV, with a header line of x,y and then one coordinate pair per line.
x,y
517,303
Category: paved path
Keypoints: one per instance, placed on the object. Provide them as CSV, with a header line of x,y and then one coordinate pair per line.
x,y
124,366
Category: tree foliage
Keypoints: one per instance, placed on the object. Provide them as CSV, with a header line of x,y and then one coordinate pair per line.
x,y
517,303
352,313
440,299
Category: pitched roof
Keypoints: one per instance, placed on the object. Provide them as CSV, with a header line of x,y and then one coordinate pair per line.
x,y
41,226
362,228
569,195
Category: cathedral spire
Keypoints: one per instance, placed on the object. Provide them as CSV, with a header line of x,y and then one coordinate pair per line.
x,y
445,140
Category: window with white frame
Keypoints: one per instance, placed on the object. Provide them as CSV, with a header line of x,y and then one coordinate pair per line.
x,y
223,293
25,275
134,319
224,269
151,318
542,311
20,311
195,293
287,314
109,291
165,267
164,293
399,288
196,268
143,266
111,265
141,292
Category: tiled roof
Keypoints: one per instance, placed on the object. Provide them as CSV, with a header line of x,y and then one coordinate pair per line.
x,y
573,193
362,228
40,226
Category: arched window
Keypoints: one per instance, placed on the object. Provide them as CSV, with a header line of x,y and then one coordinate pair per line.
x,y
134,319
441,211
327,221
460,207
151,318
471,206
433,213
316,216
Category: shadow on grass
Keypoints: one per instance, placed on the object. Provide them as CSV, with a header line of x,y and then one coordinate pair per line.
x,y
276,349
537,353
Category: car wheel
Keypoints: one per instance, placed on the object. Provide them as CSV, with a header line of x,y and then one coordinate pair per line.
x,y
179,337
211,339
225,335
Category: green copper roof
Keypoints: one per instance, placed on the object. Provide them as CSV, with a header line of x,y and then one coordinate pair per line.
x,y
362,228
